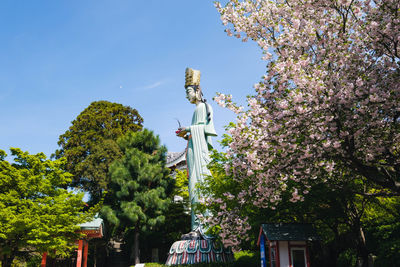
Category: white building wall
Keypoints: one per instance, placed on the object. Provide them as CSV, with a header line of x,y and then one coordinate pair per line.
x,y
303,243
284,253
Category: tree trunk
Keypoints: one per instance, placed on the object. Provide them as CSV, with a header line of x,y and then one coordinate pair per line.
x,y
7,261
136,247
95,255
362,248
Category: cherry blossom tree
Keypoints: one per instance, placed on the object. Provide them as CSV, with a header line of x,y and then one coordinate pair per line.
x,y
329,103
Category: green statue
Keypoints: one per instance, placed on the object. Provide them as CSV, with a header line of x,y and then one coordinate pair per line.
x,y
199,135
196,247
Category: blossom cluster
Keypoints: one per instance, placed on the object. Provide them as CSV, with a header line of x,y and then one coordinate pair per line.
x,y
233,227
330,96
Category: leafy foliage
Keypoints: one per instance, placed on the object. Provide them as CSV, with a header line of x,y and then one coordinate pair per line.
x,y
382,225
176,223
181,185
351,221
90,143
242,259
140,186
329,101
36,213
324,118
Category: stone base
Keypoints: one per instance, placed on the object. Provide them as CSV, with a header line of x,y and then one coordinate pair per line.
x,y
197,251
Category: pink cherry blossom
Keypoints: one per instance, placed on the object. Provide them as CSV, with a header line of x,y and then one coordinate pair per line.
x,y
330,99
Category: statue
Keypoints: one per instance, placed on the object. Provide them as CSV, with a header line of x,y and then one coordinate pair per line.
x,y
199,135
196,247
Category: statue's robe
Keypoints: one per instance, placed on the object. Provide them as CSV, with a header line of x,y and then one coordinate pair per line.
x,y
198,156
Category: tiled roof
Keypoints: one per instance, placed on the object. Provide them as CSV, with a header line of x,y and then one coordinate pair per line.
x,y
174,158
94,224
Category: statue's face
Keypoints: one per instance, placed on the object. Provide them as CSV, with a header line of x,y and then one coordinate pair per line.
x,y
191,95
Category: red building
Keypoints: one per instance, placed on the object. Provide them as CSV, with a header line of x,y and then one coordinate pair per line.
x,y
92,229
286,244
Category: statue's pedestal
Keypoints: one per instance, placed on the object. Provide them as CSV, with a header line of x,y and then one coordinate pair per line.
x,y
197,251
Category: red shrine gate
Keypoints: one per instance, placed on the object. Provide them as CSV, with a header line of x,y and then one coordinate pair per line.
x,y
93,229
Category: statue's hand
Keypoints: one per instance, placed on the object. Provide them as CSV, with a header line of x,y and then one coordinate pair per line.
x,y
181,132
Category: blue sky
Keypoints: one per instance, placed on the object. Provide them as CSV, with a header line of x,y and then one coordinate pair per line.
x,y
56,57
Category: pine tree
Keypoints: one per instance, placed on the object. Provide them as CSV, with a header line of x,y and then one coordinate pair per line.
x,y
139,188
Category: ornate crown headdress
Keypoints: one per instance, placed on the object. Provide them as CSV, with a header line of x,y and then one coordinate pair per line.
x,y
192,77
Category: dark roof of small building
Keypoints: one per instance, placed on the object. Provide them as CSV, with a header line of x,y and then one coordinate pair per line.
x,y
289,232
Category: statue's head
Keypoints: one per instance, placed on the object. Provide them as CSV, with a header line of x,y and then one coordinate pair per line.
x,y
192,85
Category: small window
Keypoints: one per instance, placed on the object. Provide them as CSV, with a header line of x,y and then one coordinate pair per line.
x,y
299,257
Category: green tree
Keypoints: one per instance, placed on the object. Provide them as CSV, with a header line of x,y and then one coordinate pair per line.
x,y
350,218
90,143
36,214
182,186
382,226
177,221
140,186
